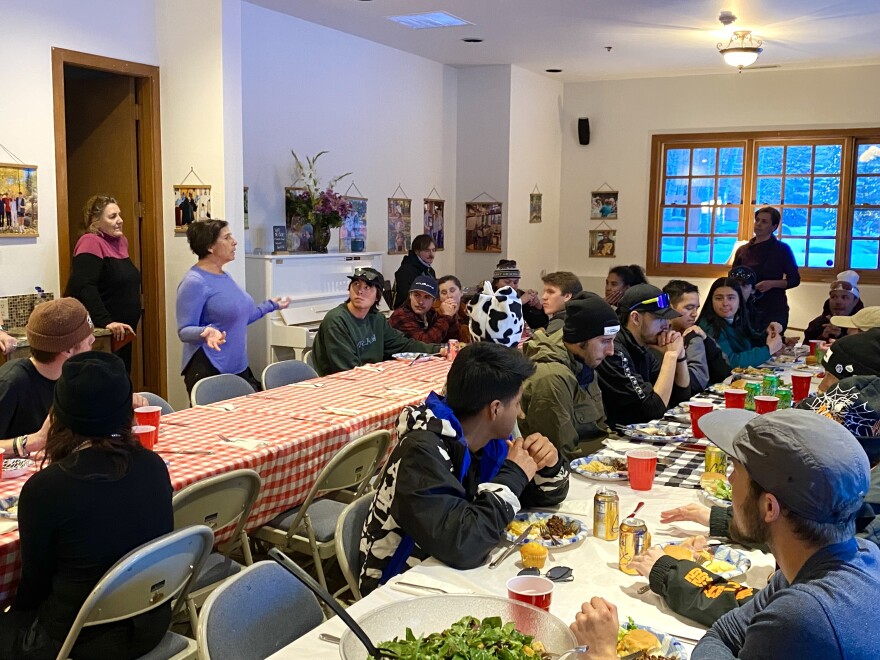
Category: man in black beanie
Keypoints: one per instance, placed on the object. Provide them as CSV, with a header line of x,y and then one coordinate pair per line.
x,y
562,399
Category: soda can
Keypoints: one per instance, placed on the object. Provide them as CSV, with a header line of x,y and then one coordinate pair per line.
x,y
634,540
606,514
784,396
452,349
716,460
752,390
769,384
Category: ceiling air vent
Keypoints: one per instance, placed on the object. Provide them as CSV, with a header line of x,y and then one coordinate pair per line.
x,y
433,19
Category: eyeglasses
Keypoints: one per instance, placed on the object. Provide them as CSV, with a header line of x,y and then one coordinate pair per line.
x,y
661,301
555,574
366,274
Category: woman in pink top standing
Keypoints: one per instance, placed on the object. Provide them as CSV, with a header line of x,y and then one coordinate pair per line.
x,y
103,276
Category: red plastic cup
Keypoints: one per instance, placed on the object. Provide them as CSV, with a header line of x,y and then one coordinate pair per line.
x,y
698,409
641,464
800,385
148,416
814,344
531,589
734,398
146,435
765,404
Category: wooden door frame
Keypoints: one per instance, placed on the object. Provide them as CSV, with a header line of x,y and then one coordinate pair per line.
x,y
150,165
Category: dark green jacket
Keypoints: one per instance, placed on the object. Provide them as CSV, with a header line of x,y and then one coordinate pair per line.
x,y
556,404
344,341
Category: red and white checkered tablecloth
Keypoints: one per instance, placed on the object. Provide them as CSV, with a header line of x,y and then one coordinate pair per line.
x,y
302,436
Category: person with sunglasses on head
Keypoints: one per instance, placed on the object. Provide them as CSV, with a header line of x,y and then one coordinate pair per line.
x,y
355,333
843,300
774,265
726,320
636,386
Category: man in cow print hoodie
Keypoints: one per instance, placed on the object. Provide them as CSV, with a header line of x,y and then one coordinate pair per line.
x,y
456,479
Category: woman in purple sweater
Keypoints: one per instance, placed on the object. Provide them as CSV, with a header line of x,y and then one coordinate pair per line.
x,y
213,312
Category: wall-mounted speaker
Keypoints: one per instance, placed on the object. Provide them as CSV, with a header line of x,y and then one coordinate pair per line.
x,y
584,130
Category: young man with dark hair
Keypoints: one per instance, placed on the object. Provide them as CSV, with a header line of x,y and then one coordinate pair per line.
x,y
559,287
636,386
798,484
56,330
705,360
563,400
355,333
457,477
418,319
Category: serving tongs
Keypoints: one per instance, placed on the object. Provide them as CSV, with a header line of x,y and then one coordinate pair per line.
x,y
288,564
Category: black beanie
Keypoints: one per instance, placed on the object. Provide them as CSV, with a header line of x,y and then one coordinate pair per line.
x,y
93,395
588,316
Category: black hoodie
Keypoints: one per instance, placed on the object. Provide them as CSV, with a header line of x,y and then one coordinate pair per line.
x,y
410,268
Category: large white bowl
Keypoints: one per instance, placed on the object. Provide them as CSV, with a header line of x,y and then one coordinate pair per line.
x,y
430,614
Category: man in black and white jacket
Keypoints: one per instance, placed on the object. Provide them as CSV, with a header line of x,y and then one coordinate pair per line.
x,y
457,476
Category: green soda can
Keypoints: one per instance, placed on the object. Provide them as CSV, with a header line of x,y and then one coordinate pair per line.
x,y
752,390
769,385
784,396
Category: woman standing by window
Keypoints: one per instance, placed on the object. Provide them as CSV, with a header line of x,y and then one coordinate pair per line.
x,y
103,276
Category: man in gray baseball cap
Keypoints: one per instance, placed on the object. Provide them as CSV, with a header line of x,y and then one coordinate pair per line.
x,y
799,479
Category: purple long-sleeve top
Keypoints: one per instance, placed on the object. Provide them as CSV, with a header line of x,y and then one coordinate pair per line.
x,y
208,300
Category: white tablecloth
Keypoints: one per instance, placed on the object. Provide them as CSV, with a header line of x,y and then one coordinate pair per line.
x,y
595,571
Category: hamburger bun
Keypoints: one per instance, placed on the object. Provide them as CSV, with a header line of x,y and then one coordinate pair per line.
x,y
638,640
678,552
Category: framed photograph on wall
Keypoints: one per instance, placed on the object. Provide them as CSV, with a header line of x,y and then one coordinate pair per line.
x,y
603,204
535,202
299,229
18,201
246,223
399,230
434,221
191,204
353,232
482,227
603,242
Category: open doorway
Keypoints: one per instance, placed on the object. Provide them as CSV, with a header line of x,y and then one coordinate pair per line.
x,y
107,142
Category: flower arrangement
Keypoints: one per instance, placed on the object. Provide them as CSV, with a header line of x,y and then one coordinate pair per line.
x,y
323,207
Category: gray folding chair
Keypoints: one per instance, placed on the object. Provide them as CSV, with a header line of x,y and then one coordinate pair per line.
x,y
144,579
156,400
309,528
309,358
256,613
217,502
349,529
286,372
219,388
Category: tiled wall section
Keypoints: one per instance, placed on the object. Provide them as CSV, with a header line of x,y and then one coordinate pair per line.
x,y
20,308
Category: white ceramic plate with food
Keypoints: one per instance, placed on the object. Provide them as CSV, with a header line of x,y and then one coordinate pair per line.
x,y
540,520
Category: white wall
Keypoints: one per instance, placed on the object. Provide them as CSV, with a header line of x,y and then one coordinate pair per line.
x,y
30,31
535,148
482,159
625,114
386,116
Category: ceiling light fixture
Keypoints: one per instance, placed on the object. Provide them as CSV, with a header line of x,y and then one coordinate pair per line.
x,y
553,70
742,50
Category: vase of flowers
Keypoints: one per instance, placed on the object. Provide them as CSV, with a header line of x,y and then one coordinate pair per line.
x,y
320,209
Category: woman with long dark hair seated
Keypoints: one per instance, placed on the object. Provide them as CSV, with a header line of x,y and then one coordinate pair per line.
x,y
726,319
98,496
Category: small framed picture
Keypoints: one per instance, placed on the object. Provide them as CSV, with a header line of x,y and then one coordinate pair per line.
x,y
535,207
434,221
603,242
603,204
18,201
482,227
191,204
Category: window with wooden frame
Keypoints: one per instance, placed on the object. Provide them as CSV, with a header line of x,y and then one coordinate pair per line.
x,y
705,189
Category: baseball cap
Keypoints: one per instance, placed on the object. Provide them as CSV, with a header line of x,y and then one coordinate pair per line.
x,y
369,275
588,316
425,284
864,319
854,403
647,298
854,355
58,325
812,464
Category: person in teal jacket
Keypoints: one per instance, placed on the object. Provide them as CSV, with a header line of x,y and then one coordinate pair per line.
x,y
726,320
